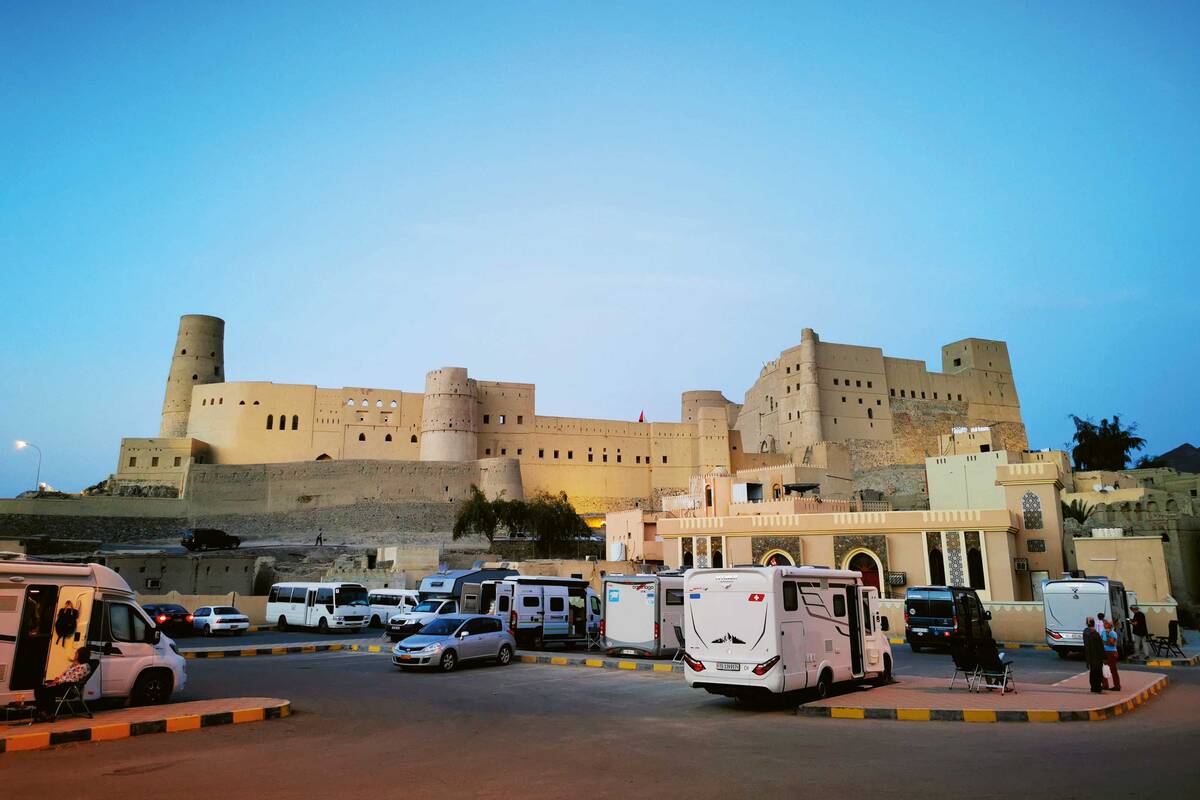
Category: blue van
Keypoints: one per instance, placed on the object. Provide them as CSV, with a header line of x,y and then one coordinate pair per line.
x,y
934,616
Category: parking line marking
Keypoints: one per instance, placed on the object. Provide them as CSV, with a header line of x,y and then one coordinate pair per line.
x,y
913,714
106,733
977,715
847,713
188,723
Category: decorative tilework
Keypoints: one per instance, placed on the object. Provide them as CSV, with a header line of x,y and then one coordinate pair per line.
x,y
1031,510
954,558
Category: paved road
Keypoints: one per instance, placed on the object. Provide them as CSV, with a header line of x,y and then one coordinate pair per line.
x,y
274,638
362,728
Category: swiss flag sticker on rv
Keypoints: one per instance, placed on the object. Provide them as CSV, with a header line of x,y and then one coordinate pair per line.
x,y
756,598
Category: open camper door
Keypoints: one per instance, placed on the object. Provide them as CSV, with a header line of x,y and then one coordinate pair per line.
x,y
854,612
556,620
505,608
72,616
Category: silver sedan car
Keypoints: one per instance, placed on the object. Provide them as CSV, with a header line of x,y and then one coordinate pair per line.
x,y
447,640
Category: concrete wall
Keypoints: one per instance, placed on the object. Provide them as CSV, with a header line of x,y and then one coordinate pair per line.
x,y
1136,561
253,606
1026,621
188,574
965,481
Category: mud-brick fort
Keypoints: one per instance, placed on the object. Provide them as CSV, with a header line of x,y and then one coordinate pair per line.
x,y
837,408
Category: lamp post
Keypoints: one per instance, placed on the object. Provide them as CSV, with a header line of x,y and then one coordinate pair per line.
x,y
37,484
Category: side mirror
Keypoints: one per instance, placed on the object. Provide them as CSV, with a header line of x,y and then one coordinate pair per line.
x,y
883,624
463,634
155,636
987,615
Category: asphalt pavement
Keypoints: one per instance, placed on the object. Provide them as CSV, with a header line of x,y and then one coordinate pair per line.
x,y
363,728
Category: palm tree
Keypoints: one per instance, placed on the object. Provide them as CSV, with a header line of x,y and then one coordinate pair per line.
x,y
1077,510
1106,446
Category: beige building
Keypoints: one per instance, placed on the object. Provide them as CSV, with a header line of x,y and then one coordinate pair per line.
x,y
880,409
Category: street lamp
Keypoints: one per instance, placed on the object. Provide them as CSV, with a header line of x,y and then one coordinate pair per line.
x,y
21,445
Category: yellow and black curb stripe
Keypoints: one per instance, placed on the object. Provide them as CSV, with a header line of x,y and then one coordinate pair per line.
x,y
1167,662
983,715
266,651
602,663
105,732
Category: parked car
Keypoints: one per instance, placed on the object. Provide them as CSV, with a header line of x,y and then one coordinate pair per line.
x,y
208,539
171,619
425,612
934,616
448,640
220,619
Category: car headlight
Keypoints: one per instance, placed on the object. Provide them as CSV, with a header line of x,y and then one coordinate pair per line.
x,y
433,648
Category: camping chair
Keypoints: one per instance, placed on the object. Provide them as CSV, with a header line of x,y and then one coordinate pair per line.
x,y
594,639
1167,645
72,698
679,651
965,664
995,671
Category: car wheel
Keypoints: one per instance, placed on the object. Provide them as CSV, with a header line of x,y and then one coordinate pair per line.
x,y
207,630
885,677
824,685
449,661
322,626
505,656
152,688
282,624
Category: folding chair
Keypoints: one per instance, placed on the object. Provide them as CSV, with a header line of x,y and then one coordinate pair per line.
x,y
995,672
594,639
965,665
1167,645
681,649
72,698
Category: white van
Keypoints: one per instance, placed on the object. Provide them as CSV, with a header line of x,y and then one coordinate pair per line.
x,y
324,606
641,614
543,609
48,611
386,603
1068,602
769,630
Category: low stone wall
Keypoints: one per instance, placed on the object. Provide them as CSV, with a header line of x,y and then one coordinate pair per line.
x,y
253,606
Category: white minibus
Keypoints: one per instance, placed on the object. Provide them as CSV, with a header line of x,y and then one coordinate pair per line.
x,y
385,603
324,606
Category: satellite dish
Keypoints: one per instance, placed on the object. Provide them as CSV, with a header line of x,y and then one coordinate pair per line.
x,y
1097,487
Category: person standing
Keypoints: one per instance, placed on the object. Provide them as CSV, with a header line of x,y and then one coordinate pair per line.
x,y
1111,655
1093,655
1100,624
1140,633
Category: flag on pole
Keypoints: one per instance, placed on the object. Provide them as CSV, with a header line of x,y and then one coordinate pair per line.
x,y
642,417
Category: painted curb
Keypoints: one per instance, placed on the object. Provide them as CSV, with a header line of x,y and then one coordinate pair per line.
x,y
245,652
603,663
1167,662
983,715
108,732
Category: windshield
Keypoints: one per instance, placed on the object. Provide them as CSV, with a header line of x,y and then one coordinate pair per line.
x,y
441,627
225,610
929,604
356,596
428,605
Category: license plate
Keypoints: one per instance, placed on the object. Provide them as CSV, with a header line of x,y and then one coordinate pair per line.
x,y
725,665
405,657
920,630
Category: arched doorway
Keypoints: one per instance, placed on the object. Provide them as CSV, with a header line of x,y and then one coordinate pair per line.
x,y
718,560
778,558
324,457
975,575
687,559
937,568
868,565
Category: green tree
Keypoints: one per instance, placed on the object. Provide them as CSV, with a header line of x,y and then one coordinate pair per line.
x,y
1077,510
553,522
476,517
1104,446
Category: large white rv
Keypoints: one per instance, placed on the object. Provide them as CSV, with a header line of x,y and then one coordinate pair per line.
x,y
641,613
769,630
1068,602
37,639
543,609
324,606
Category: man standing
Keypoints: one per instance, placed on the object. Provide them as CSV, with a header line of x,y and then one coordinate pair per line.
x,y
1093,654
1138,626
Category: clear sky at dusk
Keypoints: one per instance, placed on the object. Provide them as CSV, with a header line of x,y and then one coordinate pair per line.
x,y
616,202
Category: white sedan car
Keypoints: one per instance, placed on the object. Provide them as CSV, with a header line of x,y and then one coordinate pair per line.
x,y
220,619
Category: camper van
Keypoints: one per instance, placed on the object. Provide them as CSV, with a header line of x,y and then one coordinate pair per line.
x,y
545,609
1068,602
48,611
465,586
324,606
756,631
386,603
641,613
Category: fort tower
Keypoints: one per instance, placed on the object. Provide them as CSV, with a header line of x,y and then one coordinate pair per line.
x,y
198,358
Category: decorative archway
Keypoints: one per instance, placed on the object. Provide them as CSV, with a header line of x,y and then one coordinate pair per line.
x,y
778,558
937,567
324,457
865,561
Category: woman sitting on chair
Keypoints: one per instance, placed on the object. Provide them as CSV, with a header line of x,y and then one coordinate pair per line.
x,y
46,695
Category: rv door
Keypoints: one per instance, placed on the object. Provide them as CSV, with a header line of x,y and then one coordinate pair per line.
x,y
556,612
468,601
855,627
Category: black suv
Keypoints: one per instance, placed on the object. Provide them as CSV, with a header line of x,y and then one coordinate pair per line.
x,y
935,616
208,539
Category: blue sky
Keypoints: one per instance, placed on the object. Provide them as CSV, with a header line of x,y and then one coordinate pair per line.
x,y
617,202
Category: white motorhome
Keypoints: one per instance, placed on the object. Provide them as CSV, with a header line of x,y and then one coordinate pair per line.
x,y
1068,602
386,603
544,609
324,606
641,614
768,630
37,640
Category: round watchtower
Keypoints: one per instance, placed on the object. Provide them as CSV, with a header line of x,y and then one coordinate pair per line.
x,y
449,429
199,358
809,400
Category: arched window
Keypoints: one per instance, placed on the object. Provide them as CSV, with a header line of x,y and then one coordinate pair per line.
x,y
270,421
349,401
975,569
776,492
295,422
687,559
413,439
718,560
708,497
324,457
364,402
379,404
937,568
195,377
870,414
241,402
362,437
183,352
778,558
393,404
1031,510
387,438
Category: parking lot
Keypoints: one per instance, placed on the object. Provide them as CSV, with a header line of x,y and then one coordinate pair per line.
x,y
543,731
